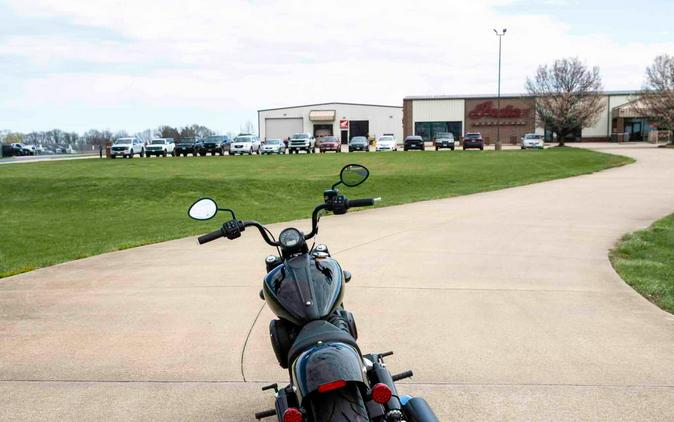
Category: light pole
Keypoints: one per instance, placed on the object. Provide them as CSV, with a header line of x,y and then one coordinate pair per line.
x,y
498,98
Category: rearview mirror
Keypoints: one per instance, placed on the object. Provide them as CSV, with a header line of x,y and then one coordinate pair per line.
x,y
203,209
353,175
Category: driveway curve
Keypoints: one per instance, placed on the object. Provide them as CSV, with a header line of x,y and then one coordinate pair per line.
x,y
503,303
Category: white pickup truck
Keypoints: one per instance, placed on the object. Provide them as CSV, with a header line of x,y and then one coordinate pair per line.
x,y
302,142
161,147
127,147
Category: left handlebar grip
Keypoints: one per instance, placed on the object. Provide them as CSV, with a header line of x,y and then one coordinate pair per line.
x,y
210,236
360,202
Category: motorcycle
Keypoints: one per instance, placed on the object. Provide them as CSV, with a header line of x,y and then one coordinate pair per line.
x,y
314,337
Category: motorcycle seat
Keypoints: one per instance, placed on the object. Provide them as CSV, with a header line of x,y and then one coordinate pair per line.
x,y
316,331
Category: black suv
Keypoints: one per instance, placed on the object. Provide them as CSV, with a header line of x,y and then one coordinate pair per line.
x,y
188,146
215,145
414,142
473,140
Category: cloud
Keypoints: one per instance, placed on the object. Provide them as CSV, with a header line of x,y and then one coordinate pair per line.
x,y
240,55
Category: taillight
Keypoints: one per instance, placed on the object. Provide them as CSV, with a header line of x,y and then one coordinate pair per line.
x,y
292,415
381,393
324,388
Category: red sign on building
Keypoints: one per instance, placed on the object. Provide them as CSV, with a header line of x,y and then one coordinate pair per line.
x,y
487,109
343,124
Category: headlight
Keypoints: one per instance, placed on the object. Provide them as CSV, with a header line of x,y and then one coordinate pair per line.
x,y
290,238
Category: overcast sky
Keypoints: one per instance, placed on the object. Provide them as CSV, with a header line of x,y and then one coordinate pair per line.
x,y
81,64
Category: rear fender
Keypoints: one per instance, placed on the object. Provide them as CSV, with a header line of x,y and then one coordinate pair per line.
x,y
326,363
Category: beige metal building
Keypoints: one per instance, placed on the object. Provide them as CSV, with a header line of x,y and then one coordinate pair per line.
x,y
344,120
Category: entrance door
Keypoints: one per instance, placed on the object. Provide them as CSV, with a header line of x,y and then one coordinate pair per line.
x,y
359,128
634,130
322,130
345,136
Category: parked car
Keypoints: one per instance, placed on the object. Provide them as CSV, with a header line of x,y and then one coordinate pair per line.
x,y
29,149
273,146
215,144
245,144
329,143
187,146
160,147
532,140
444,140
359,143
7,151
414,142
126,148
19,149
473,140
302,142
386,143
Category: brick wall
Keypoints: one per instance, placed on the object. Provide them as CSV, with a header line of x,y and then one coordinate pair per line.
x,y
517,118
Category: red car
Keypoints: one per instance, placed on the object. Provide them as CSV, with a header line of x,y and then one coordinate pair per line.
x,y
329,143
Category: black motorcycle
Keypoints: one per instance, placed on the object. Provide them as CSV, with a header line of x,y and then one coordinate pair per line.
x,y
314,337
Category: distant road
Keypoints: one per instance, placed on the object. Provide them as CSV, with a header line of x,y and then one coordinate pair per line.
x,y
37,158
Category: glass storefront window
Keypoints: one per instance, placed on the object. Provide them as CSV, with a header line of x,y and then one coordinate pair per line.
x,y
428,130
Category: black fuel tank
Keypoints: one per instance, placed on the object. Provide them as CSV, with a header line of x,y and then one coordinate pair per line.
x,y
304,288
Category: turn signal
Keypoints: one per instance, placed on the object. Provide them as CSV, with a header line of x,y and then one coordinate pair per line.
x,y
381,393
292,415
324,388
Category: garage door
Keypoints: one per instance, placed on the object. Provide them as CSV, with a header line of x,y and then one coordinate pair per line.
x,y
282,128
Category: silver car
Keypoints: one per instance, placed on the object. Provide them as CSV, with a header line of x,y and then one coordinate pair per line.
x,y
532,140
273,146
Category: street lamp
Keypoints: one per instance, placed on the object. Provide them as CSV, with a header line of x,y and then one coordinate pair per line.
x,y
498,98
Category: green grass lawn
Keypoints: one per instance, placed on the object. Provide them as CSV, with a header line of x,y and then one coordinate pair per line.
x,y
58,211
645,260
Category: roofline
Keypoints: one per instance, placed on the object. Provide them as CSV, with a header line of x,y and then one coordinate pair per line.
x,y
474,96
325,104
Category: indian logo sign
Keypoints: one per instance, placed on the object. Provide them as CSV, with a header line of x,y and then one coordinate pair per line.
x,y
488,110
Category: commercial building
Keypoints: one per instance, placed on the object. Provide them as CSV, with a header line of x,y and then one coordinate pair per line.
x,y
427,115
344,120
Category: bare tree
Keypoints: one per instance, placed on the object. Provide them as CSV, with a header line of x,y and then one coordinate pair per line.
x,y
568,96
120,134
168,132
13,137
657,97
195,130
247,127
145,136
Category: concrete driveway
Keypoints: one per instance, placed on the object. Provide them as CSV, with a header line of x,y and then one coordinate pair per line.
x,y
504,304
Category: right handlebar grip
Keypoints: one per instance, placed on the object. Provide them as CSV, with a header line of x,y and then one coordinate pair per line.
x,y
360,202
210,236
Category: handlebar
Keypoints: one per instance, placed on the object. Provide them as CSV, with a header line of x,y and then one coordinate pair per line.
x,y
234,227
265,414
211,236
262,230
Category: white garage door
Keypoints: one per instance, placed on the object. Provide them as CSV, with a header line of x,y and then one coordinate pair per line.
x,y
282,128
